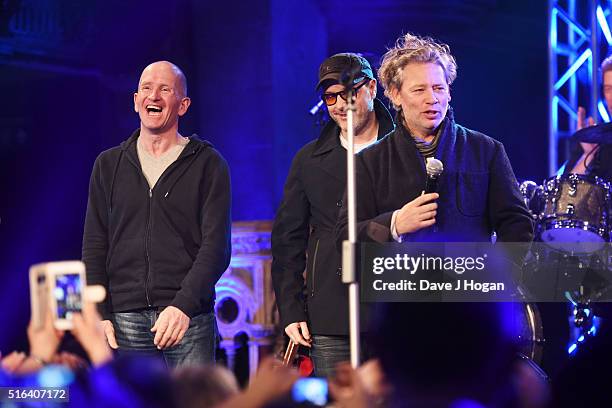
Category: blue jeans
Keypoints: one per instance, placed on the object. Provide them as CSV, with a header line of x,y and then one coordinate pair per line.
x,y
327,351
134,337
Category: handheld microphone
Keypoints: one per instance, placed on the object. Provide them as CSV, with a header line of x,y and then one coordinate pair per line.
x,y
434,168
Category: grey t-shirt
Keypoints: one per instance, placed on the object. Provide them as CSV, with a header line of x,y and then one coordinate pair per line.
x,y
153,167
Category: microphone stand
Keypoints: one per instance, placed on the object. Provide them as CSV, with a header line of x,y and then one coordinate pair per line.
x,y
348,247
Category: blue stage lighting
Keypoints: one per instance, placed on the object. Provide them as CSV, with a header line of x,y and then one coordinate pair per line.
x,y
603,23
603,112
573,68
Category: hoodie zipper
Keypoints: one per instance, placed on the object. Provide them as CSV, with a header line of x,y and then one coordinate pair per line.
x,y
147,245
148,229
314,267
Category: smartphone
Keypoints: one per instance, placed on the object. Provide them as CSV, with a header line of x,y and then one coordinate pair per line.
x,y
60,286
39,295
311,389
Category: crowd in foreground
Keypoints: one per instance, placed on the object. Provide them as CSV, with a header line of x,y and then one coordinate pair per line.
x,y
431,355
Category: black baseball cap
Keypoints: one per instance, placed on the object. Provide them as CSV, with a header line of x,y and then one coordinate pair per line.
x,y
333,67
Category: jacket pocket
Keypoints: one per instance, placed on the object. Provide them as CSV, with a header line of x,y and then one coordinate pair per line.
x,y
126,265
314,267
170,262
472,188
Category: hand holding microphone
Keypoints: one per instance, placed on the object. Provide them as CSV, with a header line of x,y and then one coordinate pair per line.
x,y
421,212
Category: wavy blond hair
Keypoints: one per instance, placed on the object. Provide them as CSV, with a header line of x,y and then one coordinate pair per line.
x,y
411,48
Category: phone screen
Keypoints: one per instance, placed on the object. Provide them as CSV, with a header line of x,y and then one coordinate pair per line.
x,y
68,294
311,389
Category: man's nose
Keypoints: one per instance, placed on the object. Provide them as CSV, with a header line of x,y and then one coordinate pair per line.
x,y
341,104
431,97
154,94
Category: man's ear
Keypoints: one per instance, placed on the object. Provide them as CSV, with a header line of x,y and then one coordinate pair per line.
x,y
185,103
394,95
373,88
135,104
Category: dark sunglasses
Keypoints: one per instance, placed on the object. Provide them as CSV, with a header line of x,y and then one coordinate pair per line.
x,y
330,98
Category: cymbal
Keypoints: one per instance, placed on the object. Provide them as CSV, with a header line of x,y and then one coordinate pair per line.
x,y
595,134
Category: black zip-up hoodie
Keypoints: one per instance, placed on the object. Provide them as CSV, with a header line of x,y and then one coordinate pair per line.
x,y
165,246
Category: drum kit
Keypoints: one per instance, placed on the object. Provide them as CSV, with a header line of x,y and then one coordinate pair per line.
x,y
572,214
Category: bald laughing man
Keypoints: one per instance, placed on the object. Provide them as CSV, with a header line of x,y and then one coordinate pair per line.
x,y
157,229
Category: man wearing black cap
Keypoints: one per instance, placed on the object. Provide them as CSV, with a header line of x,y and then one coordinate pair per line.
x,y
303,233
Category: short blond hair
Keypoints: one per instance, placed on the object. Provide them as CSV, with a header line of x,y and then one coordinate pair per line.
x,y
411,48
606,65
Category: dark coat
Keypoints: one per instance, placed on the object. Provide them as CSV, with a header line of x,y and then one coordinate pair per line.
x,y
479,194
162,246
303,234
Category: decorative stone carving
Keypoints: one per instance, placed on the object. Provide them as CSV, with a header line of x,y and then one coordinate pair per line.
x,y
245,298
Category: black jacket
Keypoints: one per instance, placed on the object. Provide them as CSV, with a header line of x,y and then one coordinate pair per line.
x,y
159,247
479,194
303,234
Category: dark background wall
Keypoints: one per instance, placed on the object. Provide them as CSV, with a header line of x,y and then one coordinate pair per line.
x,y
68,70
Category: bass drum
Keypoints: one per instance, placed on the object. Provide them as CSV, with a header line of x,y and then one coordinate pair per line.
x,y
526,327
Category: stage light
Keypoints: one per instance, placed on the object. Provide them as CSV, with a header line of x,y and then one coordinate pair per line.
x,y
561,170
603,23
573,68
603,112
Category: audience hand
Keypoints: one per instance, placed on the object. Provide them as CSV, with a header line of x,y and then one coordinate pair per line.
x,y
272,382
44,341
70,360
13,361
364,387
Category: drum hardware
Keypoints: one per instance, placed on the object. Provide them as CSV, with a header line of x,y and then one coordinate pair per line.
x,y
548,274
584,321
531,193
572,187
583,318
